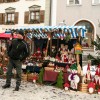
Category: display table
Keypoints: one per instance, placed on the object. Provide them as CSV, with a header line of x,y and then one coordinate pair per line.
x,y
59,64
51,76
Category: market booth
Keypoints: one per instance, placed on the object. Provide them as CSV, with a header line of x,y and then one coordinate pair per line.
x,y
56,54
55,48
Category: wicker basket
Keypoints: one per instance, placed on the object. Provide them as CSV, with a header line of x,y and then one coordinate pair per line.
x,y
83,87
24,77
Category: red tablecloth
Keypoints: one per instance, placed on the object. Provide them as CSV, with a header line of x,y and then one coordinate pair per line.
x,y
52,76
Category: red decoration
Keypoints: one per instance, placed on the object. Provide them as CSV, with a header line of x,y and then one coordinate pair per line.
x,y
91,85
66,85
88,68
98,90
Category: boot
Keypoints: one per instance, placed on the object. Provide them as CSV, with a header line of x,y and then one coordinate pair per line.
x,y
16,88
6,86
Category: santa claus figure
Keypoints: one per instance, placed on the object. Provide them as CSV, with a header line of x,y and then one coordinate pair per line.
x,y
44,52
38,53
88,74
96,78
65,58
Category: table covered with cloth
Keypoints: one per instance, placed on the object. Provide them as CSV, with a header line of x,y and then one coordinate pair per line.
x,y
51,76
59,64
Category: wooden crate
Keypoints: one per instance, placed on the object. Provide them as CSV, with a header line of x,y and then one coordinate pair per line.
x,y
83,87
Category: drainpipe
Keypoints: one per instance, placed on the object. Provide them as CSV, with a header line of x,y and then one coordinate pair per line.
x,y
50,13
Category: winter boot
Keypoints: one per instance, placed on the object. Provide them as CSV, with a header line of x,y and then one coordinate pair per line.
x,y
16,88
6,86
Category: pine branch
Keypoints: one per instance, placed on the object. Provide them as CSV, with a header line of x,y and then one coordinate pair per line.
x,y
95,60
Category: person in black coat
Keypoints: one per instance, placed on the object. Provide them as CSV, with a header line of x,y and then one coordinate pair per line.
x,y
17,51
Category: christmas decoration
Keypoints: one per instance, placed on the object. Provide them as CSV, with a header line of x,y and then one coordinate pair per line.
x,y
88,74
60,80
66,86
40,79
4,70
97,77
35,78
99,91
91,87
73,77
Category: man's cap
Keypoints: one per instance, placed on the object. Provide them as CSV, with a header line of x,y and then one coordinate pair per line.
x,y
20,32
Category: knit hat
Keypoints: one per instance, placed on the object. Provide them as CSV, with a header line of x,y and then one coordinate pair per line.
x,y
96,72
91,85
20,32
88,67
73,67
38,49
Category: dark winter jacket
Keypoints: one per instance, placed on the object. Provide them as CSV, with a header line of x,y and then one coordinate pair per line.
x,y
18,49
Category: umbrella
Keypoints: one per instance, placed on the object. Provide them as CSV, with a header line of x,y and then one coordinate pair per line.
x,y
6,36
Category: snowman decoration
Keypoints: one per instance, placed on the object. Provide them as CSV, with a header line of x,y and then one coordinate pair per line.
x,y
73,77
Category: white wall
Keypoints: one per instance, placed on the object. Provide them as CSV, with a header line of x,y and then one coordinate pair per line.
x,y
72,14
21,6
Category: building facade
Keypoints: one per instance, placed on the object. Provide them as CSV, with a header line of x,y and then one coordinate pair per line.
x,y
16,13
78,12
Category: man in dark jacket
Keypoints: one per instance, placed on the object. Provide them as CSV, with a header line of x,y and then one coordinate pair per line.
x,y
17,51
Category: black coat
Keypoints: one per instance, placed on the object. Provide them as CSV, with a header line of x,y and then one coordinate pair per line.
x,y
18,49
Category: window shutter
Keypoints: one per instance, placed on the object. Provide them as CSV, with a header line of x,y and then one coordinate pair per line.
x,y
16,17
2,18
26,17
42,12
1,1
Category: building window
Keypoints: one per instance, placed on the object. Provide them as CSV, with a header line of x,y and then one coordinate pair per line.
x,y
95,2
73,2
10,18
86,42
7,1
34,16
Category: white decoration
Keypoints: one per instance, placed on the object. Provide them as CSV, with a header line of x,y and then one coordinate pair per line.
x,y
34,81
91,90
76,78
98,92
66,88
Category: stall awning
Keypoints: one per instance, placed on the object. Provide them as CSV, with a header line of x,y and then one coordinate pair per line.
x,y
7,36
58,31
